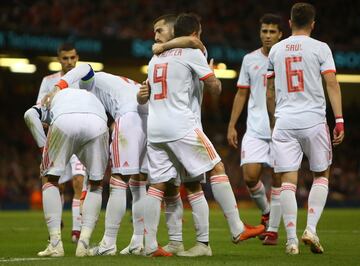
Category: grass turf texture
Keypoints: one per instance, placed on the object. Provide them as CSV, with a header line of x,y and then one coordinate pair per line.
x,y
23,234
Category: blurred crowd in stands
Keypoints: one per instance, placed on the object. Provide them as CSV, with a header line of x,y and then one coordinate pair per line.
x,y
228,22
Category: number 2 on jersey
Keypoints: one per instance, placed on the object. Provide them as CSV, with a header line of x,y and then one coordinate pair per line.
x,y
290,74
160,75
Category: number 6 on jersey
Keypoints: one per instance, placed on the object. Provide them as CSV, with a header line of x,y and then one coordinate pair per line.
x,y
160,75
290,73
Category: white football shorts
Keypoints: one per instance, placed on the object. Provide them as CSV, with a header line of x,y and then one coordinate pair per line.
x,y
188,157
289,145
256,150
73,168
128,147
85,135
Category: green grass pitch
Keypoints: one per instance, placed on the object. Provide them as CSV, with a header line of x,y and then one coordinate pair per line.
x,y
23,234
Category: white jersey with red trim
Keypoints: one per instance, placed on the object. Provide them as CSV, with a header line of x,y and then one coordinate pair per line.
x,y
171,81
297,63
76,101
117,94
48,83
253,76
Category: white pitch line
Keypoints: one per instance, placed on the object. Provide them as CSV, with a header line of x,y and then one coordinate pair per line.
x,y
21,259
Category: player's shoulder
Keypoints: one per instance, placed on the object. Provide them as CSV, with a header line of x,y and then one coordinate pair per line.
x,y
253,55
53,76
191,52
318,42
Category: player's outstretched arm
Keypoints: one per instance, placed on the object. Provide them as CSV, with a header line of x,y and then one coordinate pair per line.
x,y
144,93
238,105
32,119
179,42
334,93
270,100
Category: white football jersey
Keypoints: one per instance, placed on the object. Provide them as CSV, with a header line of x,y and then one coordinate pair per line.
x,y
170,77
76,101
117,94
298,63
253,76
48,83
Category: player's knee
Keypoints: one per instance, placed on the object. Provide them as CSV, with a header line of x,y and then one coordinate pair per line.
x,y
95,184
218,169
124,178
250,181
171,190
325,173
139,177
51,179
193,187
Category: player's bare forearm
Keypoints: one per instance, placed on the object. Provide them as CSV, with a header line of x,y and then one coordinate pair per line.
x,y
270,100
238,105
179,42
334,93
213,85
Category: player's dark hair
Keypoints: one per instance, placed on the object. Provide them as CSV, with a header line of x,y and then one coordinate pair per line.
x,y
66,46
272,19
302,15
186,24
168,19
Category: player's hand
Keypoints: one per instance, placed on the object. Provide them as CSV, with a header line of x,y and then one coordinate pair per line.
x,y
158,48
46,101
339,131
144,93
232,137
211,64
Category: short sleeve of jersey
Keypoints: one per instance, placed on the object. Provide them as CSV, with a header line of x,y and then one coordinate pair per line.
x,y
327,63
270,69
197,61
244,78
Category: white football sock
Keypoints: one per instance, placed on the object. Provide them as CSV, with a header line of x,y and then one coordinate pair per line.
x,y
153,201
258,194
174,213
115,210
200,212
317,200
289,208
76,217
275,210
90,212
52,211
224,196
138,192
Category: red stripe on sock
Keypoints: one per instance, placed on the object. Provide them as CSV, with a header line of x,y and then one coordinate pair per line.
x,y
219,179
117,183
156,193
195,196
135,183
